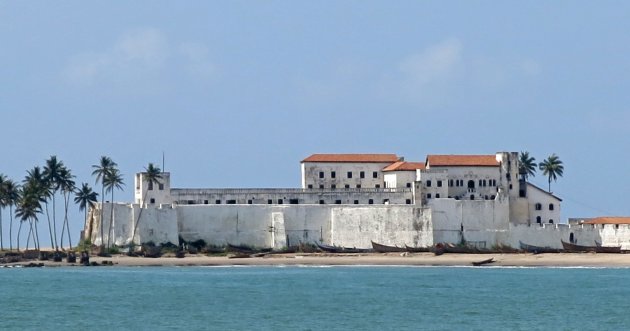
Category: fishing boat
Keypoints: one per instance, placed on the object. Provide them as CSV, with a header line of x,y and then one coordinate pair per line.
x,y
387,249
486,261
573,248
417,249
339,249
538,249
245,249
606,249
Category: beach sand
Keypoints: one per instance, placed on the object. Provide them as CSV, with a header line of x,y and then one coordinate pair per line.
x,y
375,259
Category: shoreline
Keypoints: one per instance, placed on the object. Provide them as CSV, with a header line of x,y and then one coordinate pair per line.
x,y
370,259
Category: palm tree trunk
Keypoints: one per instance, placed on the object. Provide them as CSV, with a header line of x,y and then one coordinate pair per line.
x,y
102,208
65,218
11,228
67,222
1,242
36,238
111,220
135,226
55,222
18,235
30,232
52,242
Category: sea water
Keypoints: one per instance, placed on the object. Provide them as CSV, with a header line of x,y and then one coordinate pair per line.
x,y
314,298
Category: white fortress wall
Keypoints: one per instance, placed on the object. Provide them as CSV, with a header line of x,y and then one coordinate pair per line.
x,y
391,225
483,221
157,224
549,235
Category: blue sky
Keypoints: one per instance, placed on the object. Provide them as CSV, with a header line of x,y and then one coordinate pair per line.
x,y
237,93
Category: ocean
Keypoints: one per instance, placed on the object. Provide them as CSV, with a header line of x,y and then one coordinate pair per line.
x,y
314,298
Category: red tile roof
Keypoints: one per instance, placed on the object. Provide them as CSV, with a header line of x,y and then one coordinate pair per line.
x,y
352,158
404,166
462,161
609,220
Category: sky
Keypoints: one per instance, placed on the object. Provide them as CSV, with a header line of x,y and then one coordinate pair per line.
x,y
237,93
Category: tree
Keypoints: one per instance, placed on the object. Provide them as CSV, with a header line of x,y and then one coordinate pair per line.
x,y
11,196
526,165
52,177
3,178
552,168
86,197
67,186
113,181
152,176
101,171
29,205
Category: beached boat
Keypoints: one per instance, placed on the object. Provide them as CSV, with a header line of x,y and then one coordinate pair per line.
x,y
573,248
339,249
387,249
245,249
486,261
606,249
538,249
417,249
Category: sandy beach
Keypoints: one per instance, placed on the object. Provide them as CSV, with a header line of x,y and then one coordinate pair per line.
x,y
389,259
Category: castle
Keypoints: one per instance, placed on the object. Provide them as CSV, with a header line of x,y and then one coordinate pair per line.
x,y
353,199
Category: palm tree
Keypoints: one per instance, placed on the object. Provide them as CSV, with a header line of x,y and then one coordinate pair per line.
x,y
101,172
3,178
11,197
52,176
86,197
67,186
552,168
152,175
37,189
113,181
29,205
526,165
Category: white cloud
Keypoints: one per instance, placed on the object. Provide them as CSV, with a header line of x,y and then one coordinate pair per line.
x,y
138,56
434,64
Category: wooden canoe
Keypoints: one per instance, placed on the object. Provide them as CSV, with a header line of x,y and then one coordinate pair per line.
x,y
538,249
417,249
486,261
573,248
339,249
387,249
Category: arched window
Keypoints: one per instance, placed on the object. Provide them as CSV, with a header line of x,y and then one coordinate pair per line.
x,y
538,206
550,221
551,206
572,238
538,220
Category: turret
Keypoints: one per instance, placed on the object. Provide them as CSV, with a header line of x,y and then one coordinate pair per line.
x,y
153,193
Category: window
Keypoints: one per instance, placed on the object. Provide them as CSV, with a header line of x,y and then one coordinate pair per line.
x,y
472,197
231,202
362,174
333,186
510,186
321,186
358,185
161,186
349,174
321,202
437,195
294,201
428,195
191,202
356,202
150,186
538,206
551,206
492,197
508,176
333,174
522,194
428,183
218,202
550,221
538,220
480,183
279,201
485,197
347,186
205,202
152,200
374,174
439,183
337,202
310,185
321,174
409,185
377,186
249,202
386,201
408,201
450,182
269,201
371,202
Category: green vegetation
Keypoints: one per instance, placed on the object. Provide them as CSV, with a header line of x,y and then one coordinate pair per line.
x,y
552,168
